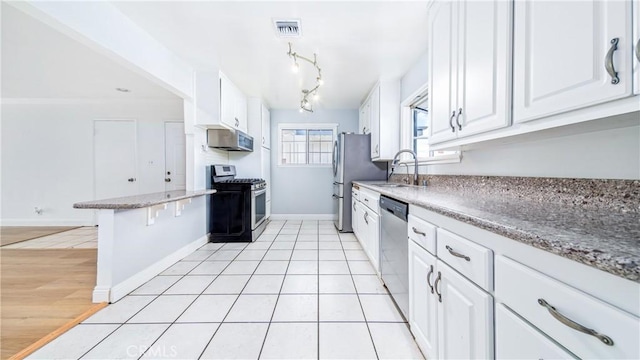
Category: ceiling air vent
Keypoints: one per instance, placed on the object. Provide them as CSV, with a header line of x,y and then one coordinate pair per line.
x,y
288,28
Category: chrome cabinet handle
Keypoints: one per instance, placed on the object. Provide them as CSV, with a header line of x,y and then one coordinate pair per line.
x,y
263,139
334,196
417,231
608,64
364,129
457,254
574,325
167,179
458,119
429,277
354,206
366,215
453,114
131,179
638,50
435,285
377,146
237,122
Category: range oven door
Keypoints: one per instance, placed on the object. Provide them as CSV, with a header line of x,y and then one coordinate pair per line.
x,y
258,207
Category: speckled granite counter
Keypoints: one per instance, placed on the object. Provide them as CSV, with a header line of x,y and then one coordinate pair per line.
x,y
597,236
141,201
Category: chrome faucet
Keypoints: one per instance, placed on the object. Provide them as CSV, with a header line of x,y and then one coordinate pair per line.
x,y
394,163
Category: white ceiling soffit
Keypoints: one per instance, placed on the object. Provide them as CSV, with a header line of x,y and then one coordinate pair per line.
x,y
40,62
356,42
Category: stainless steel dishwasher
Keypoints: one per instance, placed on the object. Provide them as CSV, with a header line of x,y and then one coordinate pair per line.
x,y
394,251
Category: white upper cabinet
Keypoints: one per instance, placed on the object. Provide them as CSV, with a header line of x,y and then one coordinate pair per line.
x,y
364,119
636,46
233,105
380,114
570,55
469,67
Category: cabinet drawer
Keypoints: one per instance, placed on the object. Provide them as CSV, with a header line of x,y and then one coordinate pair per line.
x,y
470,259
423,233
515,339
526,291
370,199
355,194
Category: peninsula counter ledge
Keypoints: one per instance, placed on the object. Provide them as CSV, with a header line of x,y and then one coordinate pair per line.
x,y
140,236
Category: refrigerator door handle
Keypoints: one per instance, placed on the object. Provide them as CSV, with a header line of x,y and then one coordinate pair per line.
x,y
334,158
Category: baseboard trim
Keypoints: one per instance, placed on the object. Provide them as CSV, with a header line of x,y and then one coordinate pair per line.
x,y
302,217
120,290
46,222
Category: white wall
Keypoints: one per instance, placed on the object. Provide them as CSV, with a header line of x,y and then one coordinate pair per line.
x,y
47,154
604,154
304,190
415,77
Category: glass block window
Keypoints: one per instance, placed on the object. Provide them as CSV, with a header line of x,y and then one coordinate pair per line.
x,y
302,144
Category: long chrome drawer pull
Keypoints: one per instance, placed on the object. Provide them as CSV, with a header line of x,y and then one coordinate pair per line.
x,y
608,64
574,325
458,119
429,277
435,285
453,114
638,50
417,232
457,254
366,215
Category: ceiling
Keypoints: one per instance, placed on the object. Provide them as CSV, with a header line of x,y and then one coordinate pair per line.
x,y
40,62
356,42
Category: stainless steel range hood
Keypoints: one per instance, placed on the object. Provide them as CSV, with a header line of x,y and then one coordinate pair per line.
x,y
230,140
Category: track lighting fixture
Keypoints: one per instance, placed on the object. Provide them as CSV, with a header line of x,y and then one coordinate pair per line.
x,y
305,104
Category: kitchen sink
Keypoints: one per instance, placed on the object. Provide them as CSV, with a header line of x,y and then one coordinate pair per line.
x,y
393,185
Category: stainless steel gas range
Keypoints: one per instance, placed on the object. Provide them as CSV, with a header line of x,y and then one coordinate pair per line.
x,y
237,211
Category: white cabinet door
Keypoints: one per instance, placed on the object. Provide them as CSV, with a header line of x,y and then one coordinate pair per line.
x,y
364,120
374,122
636,46
465,317
354,218
372,221
484,59
362,227
227,101
561,50
266,127
515,339
174,156
241,111
423,303
442,71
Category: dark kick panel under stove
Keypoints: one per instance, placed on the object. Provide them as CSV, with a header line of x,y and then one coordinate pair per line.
x,y
235,211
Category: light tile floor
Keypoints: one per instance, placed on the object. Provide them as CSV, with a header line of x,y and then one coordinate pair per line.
x,y
301,291
85,237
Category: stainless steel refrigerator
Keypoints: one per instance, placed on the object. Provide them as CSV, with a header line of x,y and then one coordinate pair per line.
x,y
351,161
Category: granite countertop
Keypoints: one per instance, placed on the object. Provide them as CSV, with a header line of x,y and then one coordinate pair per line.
x,y
141,201
599,237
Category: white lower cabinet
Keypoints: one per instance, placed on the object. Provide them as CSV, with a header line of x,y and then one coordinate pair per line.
x,y
515,339
365,222
450,317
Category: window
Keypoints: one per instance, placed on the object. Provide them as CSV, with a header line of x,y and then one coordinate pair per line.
x,y
306,144
415,129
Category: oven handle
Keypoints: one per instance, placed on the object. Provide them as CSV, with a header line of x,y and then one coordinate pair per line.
x,y
255,193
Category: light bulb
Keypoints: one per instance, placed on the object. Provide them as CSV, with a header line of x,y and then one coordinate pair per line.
x,y
301,110
295,67
320,81
316,96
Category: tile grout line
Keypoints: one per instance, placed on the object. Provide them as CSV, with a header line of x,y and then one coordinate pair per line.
x,y
238,297
360,302
264,341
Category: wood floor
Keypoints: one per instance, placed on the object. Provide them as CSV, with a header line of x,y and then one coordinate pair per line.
x,y
14,234
41,291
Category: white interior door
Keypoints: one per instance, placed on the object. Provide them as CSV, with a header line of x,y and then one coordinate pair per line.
x,y
115,158
174,156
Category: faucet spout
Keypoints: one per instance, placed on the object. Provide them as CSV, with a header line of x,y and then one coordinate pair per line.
x,y
394,163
